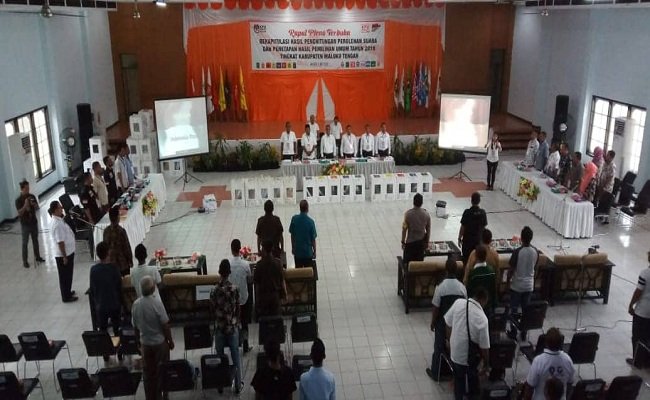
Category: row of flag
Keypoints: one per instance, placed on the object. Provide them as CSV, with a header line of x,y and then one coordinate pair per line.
x,y
412,87
221,96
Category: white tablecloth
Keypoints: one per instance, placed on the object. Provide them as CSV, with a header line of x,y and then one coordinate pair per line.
x,y
315,168
135,223
559,211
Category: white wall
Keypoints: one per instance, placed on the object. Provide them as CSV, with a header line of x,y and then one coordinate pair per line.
x,y
580,53
56,62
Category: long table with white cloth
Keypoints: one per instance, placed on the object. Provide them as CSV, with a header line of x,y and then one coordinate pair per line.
x,y
567,217
365,167
136,224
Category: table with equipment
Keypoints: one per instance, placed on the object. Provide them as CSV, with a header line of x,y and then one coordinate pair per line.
x,y
359,166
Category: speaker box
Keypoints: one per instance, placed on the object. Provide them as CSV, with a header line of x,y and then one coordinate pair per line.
x,y
561,109
85,118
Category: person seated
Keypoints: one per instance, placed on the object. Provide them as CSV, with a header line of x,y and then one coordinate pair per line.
x,y
142,269
482,276
492,257
273,381
552,363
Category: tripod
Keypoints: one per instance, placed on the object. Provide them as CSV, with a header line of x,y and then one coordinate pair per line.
x,y
186,177
460,175
577,327
561,247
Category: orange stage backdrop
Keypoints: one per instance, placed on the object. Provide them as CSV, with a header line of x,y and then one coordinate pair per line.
x,y
283,95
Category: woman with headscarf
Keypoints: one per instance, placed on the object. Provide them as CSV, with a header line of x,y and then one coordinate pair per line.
x,y
588,177
598,157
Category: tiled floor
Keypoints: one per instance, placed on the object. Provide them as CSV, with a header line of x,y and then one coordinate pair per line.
x,y
374,349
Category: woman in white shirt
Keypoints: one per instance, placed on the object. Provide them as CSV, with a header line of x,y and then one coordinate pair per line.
x,y
493,149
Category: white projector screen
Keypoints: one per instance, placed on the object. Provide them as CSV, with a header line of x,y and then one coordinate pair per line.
x,y
464,122
182,127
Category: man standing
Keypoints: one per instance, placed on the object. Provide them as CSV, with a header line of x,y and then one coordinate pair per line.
x,y
348,143
88,199
469,341
552,363
308,143
639,309
522,267
482,276
565,164
491,258
64,248
288,142
606,176
115,236
269,228
552,167
27,206
106,289
328,144
541,158
109,178
270,287
317,383
575,175
240,277
367,143
124,168
100,187
337,131
382,144
314,129
142,269
303,238
273,381
531,149
472,223
150,319
416,230
451,287
225,300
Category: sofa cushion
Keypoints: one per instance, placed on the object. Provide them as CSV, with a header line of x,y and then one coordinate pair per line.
x,y
298,273
570,260
189,279
426,266
595,259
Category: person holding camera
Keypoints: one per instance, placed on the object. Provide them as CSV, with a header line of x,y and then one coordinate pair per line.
x,y
27,206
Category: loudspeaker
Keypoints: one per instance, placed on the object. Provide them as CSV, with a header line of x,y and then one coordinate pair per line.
x,y
561,109
85,118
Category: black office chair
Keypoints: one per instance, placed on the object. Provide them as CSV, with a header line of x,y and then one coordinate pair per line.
x,y
216,372
583,348
498,390
304,328
99,344
642,354
176,376
13,389
624,388
531,352
628,179
75,383
272,328
66,203
129,342
532,317
36,347
502,355
10,352
118,382
592,389
300,364
197,337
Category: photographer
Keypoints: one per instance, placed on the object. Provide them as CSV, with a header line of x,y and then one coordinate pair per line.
x,y
27,205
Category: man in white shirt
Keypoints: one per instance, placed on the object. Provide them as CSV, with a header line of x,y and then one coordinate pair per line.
x,y
314,129
240,276
328,144
337,131
367,143
348,143
553,164
64,248
124,168
552,363
531,150
382,145
100,187
142,269
308,143
466,312
449,288
288,142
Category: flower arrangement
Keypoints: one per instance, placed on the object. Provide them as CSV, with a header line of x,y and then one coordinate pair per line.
x,y
245,252
159,254
337,169
195,256
527,189
149,205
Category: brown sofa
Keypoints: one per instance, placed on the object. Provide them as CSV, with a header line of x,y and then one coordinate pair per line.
x,y
589,273
417,281
301,291
541,283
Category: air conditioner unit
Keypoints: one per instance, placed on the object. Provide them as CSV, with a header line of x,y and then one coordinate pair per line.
x,y
26,143
619,126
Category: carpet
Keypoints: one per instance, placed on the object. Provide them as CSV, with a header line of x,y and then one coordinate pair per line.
x,y
457,187
196,198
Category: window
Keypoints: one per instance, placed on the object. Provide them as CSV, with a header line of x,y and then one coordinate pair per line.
x,y
603,117
36,125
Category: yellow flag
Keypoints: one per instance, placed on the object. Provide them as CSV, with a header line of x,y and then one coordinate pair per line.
x,y
222,93
242,91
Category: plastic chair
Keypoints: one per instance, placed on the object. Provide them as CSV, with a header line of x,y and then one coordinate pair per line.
x,y
176,376
118,382
10,386
272,328
216,372
197,337
624,388
36,347
9,352
591,389
99,344
75,383
582,349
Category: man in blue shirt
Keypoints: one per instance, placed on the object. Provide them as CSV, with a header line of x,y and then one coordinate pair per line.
x,y
303,238
317,383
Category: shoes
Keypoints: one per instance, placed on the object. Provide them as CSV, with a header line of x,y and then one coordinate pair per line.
x,y
72,292
26,264
630,361
238,389
246,347
430,374
40,260
71,299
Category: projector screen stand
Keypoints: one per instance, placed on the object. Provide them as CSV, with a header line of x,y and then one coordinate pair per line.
x,y
460,175
186,177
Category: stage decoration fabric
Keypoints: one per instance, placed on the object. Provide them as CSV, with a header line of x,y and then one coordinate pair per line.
x,y
527,189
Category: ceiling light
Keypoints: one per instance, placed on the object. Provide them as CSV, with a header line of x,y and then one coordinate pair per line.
x,y
160,3
46,11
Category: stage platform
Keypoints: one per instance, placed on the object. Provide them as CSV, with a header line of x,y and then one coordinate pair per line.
x,y
506,125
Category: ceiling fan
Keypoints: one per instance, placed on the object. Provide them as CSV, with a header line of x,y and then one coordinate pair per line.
x,y
45,11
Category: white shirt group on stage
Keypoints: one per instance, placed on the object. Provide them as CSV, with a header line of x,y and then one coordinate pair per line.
x,y
288,142
348,144
309,146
